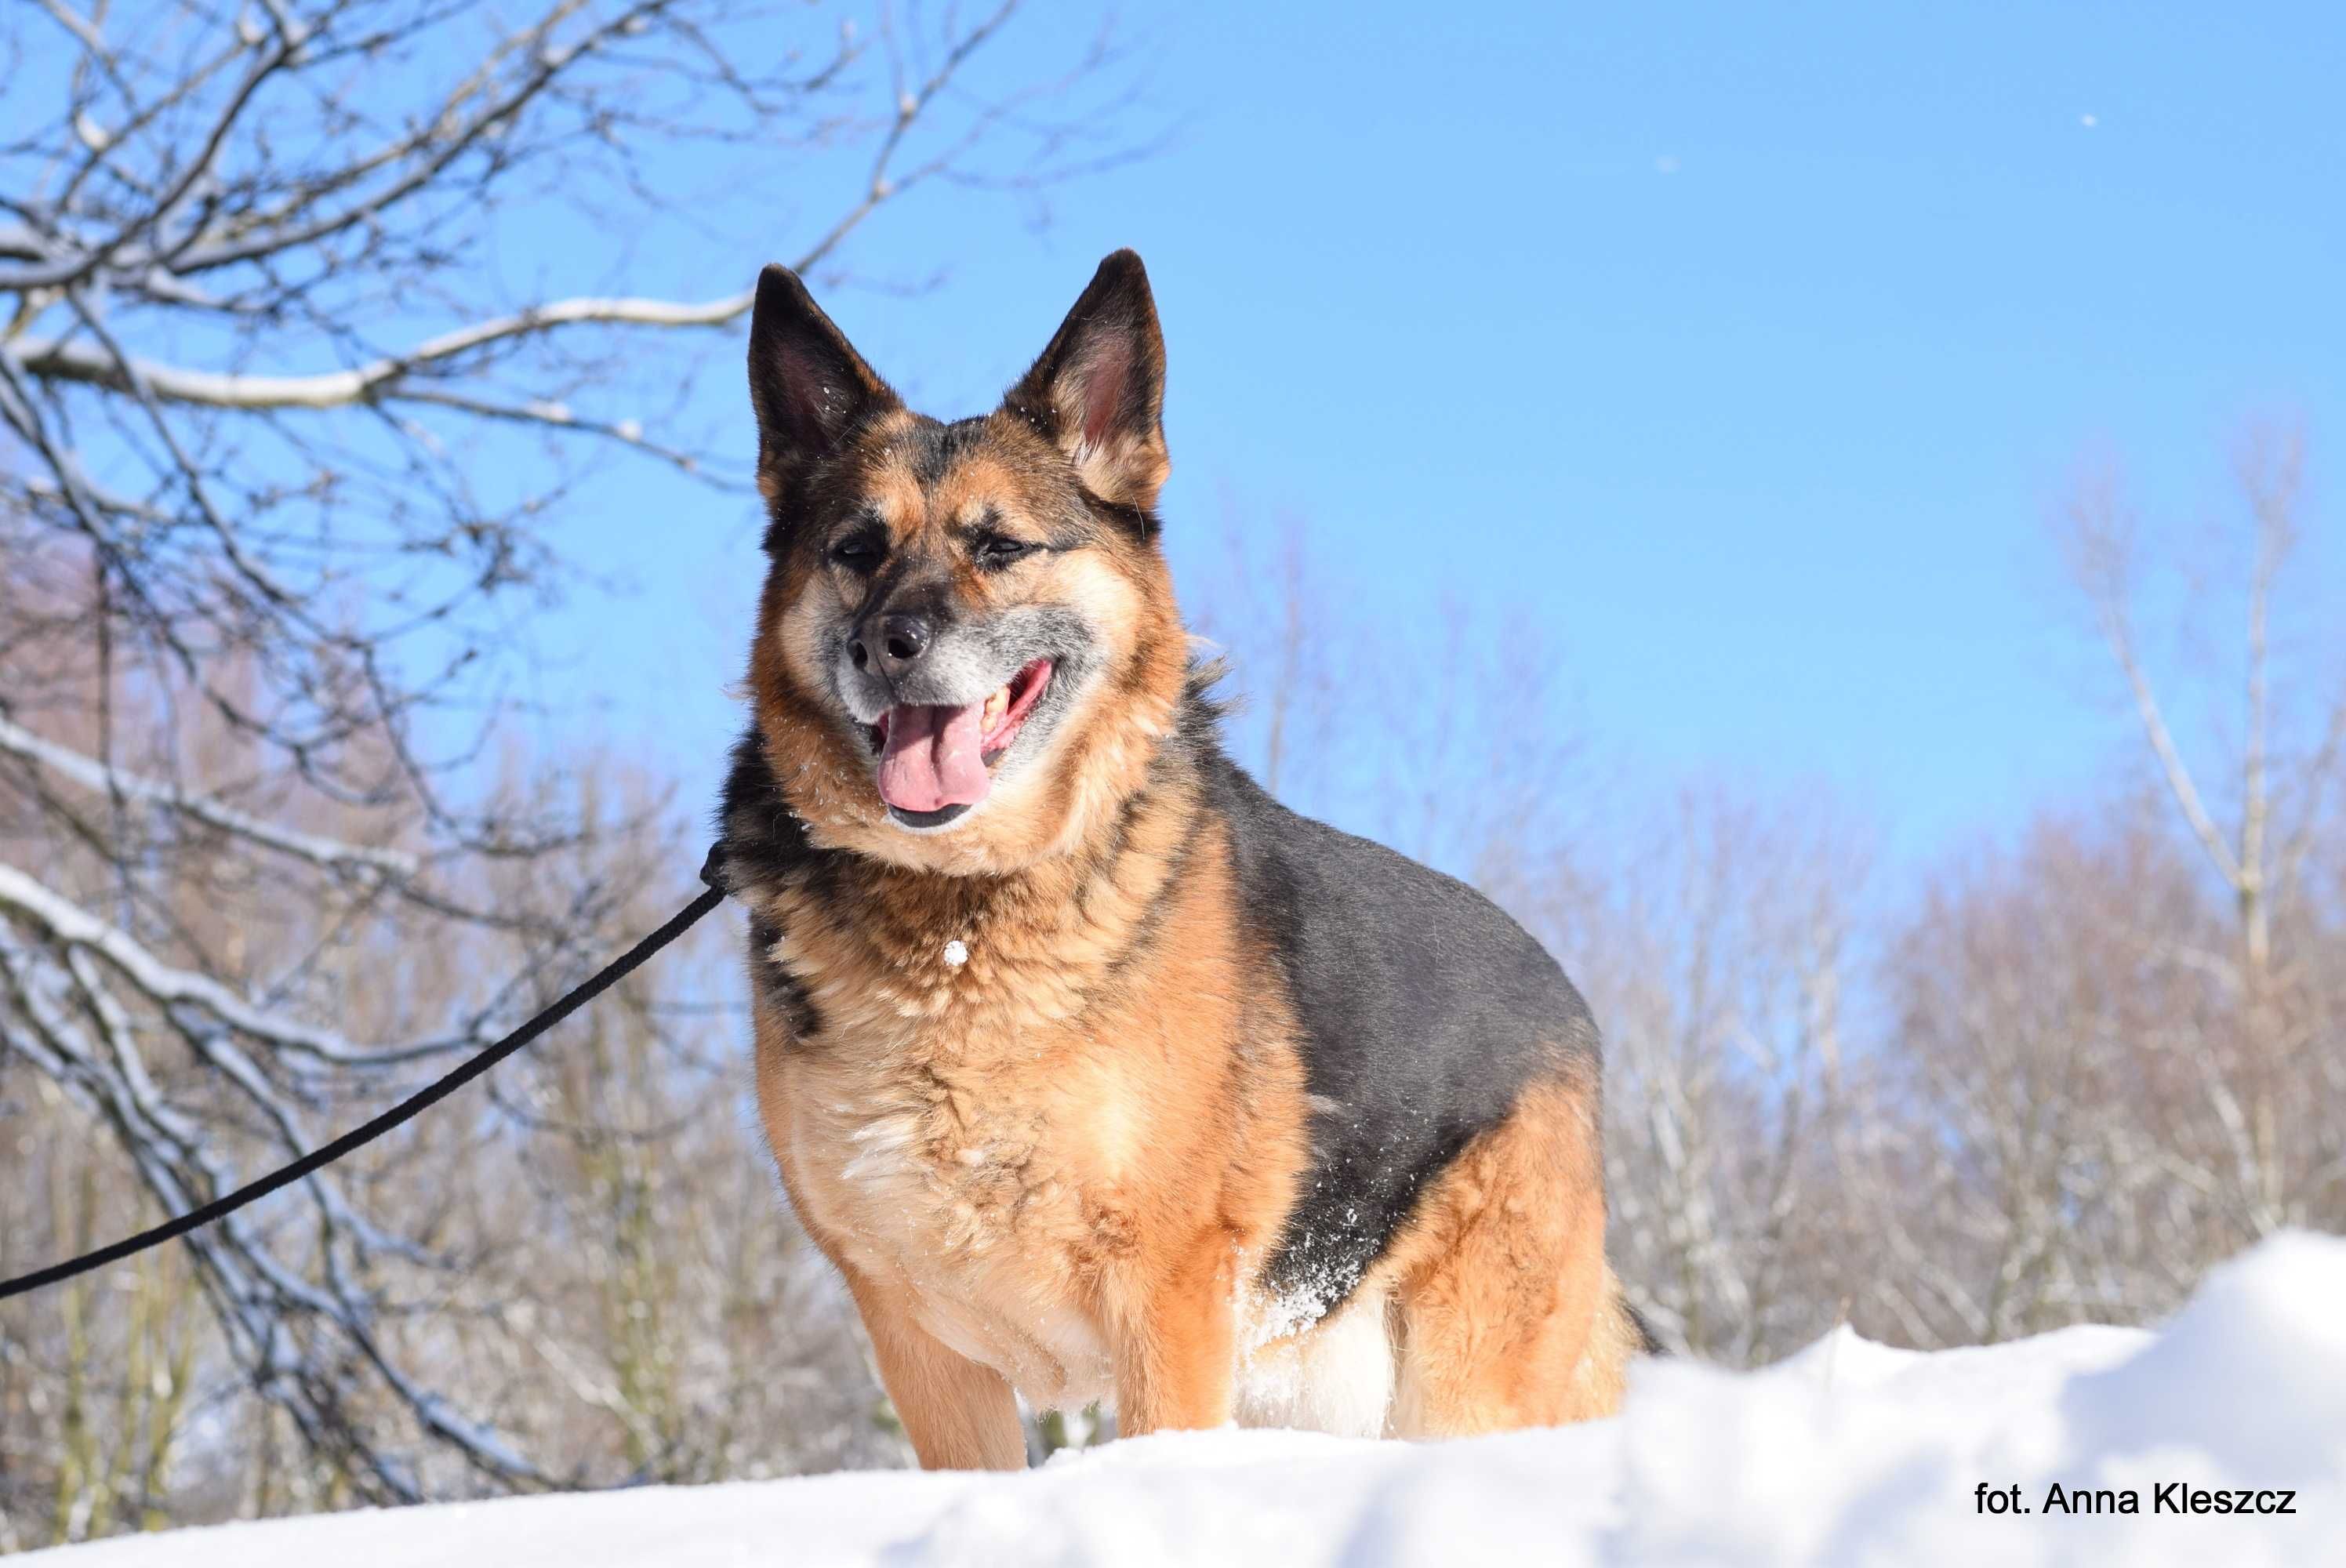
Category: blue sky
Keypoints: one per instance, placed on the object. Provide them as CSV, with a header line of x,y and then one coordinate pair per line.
x,y
1743,349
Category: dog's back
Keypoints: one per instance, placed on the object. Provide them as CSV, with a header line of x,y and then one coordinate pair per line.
x,y
1425,1011
1452,1074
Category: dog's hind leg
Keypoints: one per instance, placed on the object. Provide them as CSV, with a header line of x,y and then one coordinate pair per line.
x,y
1509,1315
1174,1327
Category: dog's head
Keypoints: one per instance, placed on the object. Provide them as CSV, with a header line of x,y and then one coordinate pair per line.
x,y
967,650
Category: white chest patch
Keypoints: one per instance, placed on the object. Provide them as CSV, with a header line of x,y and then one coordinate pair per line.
x,y
956,1217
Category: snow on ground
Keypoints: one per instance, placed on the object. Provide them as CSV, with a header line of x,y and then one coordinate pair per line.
x,y
1848,1453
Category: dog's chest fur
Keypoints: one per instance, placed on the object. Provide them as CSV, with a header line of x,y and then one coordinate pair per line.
x,y
932,1146
971,1103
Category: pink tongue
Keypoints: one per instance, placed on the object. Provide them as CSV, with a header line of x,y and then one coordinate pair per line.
x,y
932,759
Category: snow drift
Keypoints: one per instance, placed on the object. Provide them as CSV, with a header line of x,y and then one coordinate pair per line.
x,y
1848,1453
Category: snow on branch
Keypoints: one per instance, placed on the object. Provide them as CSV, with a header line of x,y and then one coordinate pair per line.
x,y
94,775
68,925
63,360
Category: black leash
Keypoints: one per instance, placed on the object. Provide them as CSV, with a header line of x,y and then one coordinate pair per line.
x,y
406,1110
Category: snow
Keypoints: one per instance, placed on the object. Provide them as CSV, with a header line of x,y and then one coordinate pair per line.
x,y
1848,1453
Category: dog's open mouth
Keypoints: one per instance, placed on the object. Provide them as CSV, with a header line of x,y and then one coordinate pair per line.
x,y
937,762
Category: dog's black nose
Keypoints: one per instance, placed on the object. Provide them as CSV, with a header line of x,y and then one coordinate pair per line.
x,y
897,641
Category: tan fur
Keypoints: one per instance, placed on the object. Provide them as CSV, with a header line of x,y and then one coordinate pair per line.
x,y
1030,1161
1509,1316
1053,1115
1045,1169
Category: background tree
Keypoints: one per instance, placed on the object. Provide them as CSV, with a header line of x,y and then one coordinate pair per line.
x,y
258,316
2275,779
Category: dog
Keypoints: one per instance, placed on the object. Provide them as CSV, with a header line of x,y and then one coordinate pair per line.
x,y
1098,1073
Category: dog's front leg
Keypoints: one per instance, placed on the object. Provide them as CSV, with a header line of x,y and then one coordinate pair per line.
x,y
958,1414
1174,1339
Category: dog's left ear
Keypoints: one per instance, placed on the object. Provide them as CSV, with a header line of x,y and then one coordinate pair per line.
x,y
1098,390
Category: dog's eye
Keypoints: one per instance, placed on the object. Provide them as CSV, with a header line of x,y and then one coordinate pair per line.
x,y
857,552
1000,549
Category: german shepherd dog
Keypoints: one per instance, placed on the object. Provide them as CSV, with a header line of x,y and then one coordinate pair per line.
x,y
1096,1071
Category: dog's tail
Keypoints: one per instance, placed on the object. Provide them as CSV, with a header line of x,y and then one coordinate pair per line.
x,y
1648,1342
1618,1338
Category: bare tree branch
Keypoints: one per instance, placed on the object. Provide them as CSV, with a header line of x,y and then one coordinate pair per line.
x,y
2101,544
321,851
283,465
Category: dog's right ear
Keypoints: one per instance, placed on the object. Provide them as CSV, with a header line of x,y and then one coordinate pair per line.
x,y
810,388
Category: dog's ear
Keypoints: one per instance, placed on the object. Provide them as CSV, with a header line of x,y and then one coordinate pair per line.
x,y
810,388
1098,390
